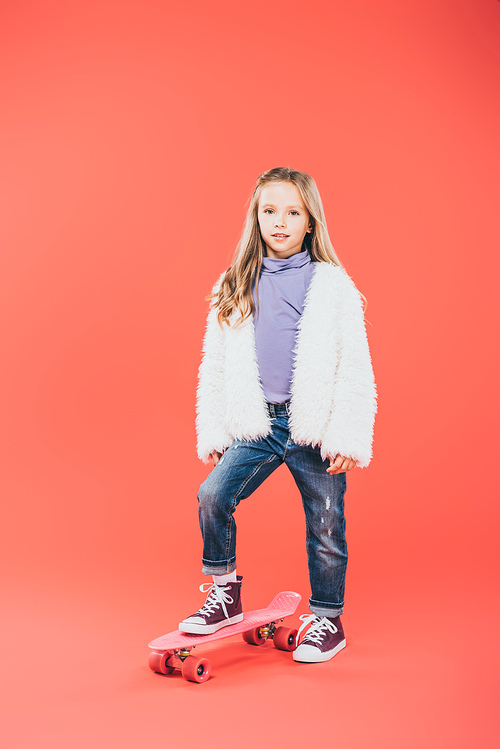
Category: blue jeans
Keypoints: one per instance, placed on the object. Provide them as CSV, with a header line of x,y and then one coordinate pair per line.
x,y
242,468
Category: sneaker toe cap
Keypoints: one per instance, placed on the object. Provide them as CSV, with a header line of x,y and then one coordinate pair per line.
x,y
307,654
194,620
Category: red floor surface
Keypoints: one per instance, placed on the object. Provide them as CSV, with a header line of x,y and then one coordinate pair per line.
x,y
75,675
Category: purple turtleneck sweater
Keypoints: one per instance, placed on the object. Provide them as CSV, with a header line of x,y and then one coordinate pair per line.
x,y
283,284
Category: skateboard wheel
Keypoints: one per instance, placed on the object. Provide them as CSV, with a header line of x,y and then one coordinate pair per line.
x,y
196,669
285,639
253,637
158,662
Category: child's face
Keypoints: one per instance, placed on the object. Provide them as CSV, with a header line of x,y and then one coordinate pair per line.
x,y
282,211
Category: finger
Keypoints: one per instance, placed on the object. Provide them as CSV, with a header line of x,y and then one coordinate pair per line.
x,y
337,460
348,464
332,462
334,467
340,464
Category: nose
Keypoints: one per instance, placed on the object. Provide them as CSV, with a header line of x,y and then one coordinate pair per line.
x,y
279,221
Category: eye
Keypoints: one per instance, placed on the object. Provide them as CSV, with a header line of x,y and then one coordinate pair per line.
x,y
296,212
267,209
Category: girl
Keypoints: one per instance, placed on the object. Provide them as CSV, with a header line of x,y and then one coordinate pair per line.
x,y
285,377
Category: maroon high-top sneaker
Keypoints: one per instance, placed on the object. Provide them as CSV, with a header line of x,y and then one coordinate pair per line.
x,y
222,608
324,639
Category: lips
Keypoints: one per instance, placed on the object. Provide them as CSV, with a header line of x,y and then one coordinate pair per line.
x,y
280,235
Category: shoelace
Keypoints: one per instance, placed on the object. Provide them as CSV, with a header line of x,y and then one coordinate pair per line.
x,y
319,628
217,597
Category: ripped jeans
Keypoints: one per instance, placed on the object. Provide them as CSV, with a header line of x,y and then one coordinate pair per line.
x,y
242,468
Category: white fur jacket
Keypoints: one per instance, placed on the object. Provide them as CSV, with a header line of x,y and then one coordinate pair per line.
x,y
333,393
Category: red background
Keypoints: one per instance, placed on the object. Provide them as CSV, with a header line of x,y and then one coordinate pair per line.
x,y
131,135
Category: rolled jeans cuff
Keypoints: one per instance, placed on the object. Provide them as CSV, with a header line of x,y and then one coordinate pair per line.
x,y
320,608
218,568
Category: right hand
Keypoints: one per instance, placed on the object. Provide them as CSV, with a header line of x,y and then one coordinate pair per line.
x,y
216,457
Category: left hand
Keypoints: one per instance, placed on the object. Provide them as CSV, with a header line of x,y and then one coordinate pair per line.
x,y
339,464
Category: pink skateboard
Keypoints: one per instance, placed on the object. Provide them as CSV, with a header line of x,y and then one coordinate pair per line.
x,y
172,651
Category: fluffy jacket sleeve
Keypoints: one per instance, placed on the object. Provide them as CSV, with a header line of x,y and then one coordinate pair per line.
x,y
211,433
350,427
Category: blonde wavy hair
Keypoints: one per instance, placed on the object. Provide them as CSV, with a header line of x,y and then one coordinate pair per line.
x,y
235,290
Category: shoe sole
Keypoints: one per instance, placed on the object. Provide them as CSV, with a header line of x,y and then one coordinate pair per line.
x,y
316,656
208,629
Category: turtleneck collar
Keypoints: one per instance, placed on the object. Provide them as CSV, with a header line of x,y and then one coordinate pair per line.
x,y
278,265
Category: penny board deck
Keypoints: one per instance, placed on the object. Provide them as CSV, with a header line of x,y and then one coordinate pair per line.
x,y
283,604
